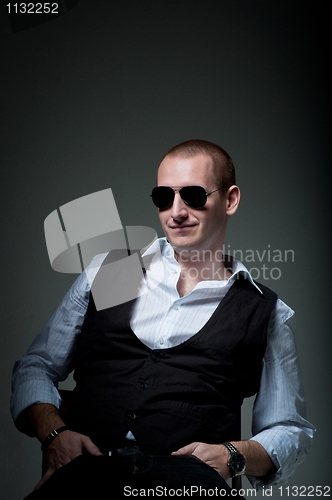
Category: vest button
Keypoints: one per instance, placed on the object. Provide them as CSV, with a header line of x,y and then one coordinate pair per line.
x,y
155,358
131,415
143,385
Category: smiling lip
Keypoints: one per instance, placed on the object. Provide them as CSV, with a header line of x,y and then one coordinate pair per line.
x,y
182,228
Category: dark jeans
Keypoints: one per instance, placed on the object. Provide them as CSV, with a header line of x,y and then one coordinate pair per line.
x,y
133,475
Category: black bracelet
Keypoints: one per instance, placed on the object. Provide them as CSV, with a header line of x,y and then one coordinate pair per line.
x,y
52,436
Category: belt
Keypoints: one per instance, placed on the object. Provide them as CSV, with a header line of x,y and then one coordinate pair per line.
x,y
125,451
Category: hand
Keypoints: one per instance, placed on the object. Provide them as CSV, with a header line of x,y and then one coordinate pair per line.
x,y
214,455
64,448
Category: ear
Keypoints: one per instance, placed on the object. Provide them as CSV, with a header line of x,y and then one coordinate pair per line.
x,y
232,196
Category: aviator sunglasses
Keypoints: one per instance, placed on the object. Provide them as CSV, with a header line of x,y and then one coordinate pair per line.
x,y
194,196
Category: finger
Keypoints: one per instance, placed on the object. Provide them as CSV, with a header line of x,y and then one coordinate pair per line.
x,y
186,450
45,477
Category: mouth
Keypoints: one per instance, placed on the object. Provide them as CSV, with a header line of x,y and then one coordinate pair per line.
x,y
182,228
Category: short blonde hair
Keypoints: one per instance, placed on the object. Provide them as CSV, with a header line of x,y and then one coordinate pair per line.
x,y
223,166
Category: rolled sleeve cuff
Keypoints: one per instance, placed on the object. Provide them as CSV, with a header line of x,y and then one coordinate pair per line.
x,y
287,447
29,394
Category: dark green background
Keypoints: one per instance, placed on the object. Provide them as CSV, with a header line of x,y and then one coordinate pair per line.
x,y
94,98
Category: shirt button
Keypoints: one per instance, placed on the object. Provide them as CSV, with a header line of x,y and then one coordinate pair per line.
x,y
161,341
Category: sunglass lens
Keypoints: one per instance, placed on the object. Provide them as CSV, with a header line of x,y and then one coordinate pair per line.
x,y
162,196
195,196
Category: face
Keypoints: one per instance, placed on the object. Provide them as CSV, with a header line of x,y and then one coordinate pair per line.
x,y
187,228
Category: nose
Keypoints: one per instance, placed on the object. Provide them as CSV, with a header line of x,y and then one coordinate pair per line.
x,y
179,208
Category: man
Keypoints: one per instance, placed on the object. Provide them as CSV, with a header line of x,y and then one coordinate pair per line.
x,y
164,375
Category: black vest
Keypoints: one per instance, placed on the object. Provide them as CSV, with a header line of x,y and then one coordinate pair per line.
x,y
169,397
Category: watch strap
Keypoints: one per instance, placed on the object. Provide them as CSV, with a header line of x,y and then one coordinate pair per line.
x,y
230,447
52,435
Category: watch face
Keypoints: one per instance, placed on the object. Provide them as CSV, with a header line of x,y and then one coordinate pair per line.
x,y
237,463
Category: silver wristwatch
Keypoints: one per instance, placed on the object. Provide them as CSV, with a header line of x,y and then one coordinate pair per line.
x,y
236,463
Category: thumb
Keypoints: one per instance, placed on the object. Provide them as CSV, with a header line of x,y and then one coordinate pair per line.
x,y
91,447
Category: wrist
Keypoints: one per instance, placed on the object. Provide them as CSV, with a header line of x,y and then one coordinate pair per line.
x,y
45,418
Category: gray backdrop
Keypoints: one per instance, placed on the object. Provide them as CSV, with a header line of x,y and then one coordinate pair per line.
x,y
95,97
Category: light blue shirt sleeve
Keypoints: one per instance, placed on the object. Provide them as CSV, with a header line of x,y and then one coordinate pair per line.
x,y
49,358
279,413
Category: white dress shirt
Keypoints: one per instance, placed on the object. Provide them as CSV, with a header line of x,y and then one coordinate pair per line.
x,y
278,424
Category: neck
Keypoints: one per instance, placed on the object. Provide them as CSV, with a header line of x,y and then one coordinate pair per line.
x,y
202,265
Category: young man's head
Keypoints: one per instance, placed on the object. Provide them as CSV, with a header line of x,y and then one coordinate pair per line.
x,y
201,194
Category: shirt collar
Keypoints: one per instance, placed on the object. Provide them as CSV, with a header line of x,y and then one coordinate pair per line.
x,y
240,269
163,246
